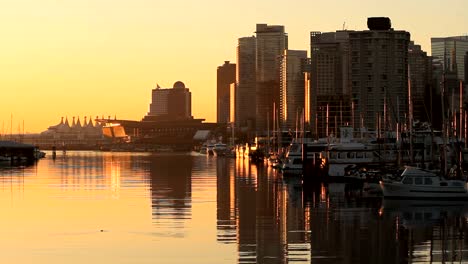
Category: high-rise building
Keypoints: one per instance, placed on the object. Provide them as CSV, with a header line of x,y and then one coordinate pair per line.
x,y
170,103
232,103
329,101
449,61
226,74
271,42
245,89
292,89
466,65
379,75
420,70
450,52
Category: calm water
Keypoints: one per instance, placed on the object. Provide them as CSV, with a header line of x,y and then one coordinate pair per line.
x,y
94,207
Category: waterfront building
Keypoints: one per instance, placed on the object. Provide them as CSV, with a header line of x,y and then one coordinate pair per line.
x,y
271,42
379,75
466,65
449,62
64,135
422,94
226,74
450,53
169,123
232,103
329,104
245,89
291,105
170,103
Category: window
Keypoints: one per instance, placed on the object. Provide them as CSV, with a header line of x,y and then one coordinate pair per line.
x,y
427,181
408,180
418,181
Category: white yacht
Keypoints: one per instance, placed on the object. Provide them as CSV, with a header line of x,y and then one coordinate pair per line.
x,y
416,183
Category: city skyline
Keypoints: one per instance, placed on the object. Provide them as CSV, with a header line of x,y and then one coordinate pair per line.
x,y
94,58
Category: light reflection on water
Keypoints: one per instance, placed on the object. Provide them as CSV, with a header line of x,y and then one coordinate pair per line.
x,y
172,208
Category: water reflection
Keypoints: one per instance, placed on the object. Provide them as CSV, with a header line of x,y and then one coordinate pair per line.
x,y
170,208
171,192
431,231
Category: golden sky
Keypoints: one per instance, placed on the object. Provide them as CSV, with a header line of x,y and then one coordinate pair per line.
x,y
102,57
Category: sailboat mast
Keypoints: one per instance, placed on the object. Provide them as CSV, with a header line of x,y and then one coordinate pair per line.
x,y
460,114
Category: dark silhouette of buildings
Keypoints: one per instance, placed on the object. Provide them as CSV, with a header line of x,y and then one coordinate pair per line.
x,y
330,91
271,42
168,123
379,77
170,104
245,103
226,75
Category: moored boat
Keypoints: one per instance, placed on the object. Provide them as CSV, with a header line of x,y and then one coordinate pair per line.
x,y
416,183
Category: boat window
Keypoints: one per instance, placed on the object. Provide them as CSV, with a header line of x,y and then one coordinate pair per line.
x,y
427,181
457,184
443,184
408,180
343,155
418,181
359,155
332,155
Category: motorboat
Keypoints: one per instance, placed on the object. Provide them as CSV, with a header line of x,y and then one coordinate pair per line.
x,y
417,183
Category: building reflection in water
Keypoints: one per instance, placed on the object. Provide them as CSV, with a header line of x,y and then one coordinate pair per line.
x,y
226,202
261,213
261,216
430,231
171,192
281,220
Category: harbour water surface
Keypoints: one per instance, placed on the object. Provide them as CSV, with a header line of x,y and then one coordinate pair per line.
x,y
103,207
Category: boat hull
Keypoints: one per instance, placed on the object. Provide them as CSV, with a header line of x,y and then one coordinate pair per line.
x,y
402,191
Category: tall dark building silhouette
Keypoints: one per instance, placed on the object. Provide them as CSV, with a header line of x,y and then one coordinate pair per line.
x,y
420,66
450,52
245,103
329,95
466,65
271,42
291,88
379,75
226,75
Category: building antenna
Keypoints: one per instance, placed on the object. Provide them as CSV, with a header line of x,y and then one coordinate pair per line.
x,y
344,24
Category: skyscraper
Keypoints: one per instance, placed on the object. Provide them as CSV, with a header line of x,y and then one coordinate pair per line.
x,y
226,74
450,52
379,71
329,98
271,42
292,89
245,89
420,67
449,59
